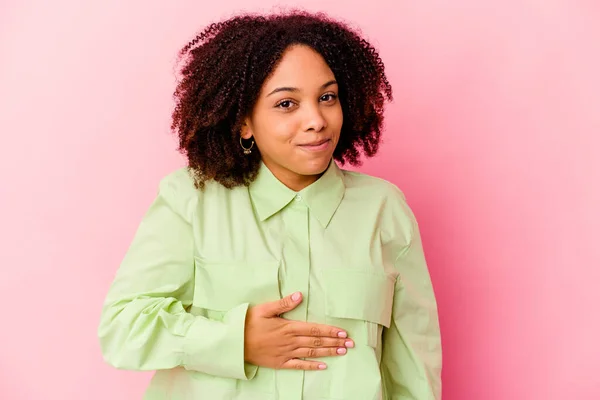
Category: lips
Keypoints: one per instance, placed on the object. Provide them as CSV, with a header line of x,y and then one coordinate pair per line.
x,y
315,144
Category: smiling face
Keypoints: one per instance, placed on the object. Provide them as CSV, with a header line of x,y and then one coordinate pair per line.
x,y
297,119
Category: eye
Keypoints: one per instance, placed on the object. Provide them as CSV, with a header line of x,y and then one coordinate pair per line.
x,y
285,104
328,97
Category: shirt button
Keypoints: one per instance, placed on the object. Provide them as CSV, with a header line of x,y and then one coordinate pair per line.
x,y
298,197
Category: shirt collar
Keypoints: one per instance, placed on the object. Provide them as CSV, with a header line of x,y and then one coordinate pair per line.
x,y
322,197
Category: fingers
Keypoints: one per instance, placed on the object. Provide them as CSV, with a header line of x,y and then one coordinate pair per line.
x,y
316,330
294,363
288,303
306,341
311,352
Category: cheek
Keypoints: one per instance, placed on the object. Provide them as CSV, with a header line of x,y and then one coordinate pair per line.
x,y
335,115
336,120
281,131
274,135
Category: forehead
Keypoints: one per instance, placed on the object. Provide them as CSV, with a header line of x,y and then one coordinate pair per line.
x,y
300,67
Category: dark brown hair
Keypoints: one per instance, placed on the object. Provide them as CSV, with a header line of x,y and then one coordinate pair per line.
x,y
226,66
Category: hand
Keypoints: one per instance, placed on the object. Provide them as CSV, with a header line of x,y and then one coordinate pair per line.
x,y
274,342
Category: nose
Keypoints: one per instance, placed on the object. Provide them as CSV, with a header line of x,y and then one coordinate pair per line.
x,y
314,119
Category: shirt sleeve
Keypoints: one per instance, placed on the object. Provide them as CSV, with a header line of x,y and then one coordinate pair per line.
x,y
412,354
144,323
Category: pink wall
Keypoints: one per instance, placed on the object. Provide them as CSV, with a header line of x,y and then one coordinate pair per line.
x,y
494,137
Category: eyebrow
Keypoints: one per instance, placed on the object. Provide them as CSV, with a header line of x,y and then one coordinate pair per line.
x,y
293,89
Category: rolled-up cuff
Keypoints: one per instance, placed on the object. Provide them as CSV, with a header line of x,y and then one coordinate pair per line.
x,y
217,347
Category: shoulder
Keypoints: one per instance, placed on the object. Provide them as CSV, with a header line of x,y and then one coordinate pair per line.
x,y
395,213
178,191
373,186
179,180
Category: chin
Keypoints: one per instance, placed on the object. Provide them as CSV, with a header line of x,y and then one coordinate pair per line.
x,y
315,167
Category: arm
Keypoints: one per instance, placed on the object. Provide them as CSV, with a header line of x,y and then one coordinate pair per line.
x,y
144,323
412,355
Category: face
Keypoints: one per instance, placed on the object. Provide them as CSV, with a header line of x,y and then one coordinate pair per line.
x,y
297,119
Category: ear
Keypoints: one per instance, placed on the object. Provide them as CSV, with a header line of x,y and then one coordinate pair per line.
x,y
246,130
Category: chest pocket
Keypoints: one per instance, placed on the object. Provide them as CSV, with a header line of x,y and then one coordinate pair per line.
x,y
221,286
360,296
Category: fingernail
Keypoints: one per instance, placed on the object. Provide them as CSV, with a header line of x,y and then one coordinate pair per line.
x,y
341,350
296,296
342,334
322,366
349,343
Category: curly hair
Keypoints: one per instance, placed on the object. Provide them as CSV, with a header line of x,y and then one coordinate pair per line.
x,y
226,66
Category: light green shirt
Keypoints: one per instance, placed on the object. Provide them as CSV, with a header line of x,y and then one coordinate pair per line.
x,y
348,242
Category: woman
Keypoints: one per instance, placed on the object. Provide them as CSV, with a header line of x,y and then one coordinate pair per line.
x,y
263,270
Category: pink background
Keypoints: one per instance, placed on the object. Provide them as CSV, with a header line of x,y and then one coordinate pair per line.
x,y
494,138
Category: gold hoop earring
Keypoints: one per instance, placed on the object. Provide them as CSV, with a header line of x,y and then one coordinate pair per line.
x,y
247,150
